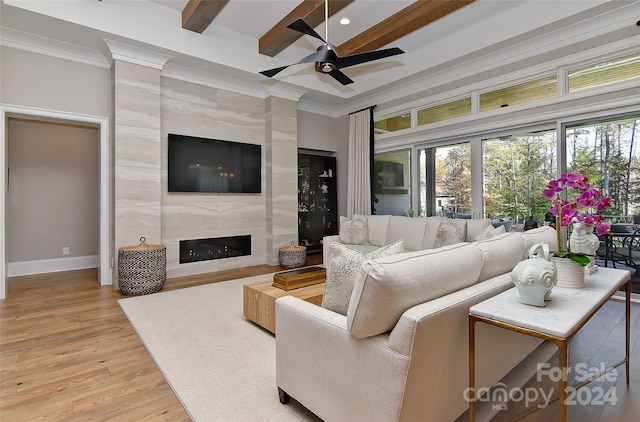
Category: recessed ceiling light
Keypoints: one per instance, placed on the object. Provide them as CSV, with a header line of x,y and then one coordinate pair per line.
x,y
345,21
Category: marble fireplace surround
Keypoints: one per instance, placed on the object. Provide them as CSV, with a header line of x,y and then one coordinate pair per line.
x,y
148,106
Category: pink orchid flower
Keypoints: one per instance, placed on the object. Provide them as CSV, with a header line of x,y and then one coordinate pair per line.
x,y
575,180
569,212
603,203
553,188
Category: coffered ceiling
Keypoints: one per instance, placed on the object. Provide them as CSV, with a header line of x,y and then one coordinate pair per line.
x,y
229,41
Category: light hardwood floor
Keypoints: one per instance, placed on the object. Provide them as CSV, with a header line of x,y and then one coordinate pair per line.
x,y
67,352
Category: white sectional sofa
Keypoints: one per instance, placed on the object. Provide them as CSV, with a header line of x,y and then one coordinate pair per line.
x,y
401,351
418,233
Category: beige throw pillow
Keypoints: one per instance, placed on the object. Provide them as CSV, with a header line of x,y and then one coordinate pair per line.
x,y
343,270
490,232
450,232
354,232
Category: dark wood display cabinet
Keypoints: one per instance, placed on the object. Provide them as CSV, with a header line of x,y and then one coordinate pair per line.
x,y
317,200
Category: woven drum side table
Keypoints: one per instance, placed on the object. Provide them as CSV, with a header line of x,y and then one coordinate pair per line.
x,y
142,269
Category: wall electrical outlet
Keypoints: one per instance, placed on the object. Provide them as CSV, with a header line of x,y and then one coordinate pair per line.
x,y
65,250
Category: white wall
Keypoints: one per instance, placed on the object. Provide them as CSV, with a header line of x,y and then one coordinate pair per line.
x,y
39,81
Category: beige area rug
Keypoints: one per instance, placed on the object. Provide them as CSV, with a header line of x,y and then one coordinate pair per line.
x,y
220,365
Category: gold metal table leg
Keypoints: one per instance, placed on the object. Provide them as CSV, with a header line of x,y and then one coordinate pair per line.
x,y
627,326
563,361
472,370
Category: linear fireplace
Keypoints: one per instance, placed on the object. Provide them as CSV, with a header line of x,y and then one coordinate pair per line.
x,y
214,248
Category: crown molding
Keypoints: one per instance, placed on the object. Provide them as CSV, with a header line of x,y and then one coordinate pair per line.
x,y
284,92
136,55
50,47
250,89
187,74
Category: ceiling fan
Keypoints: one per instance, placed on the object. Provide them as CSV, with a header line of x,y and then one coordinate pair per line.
x,y
326,56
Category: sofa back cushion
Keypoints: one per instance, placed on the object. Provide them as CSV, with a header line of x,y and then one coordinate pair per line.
x,y
473,228
544,234
386,287
476,226
430,231
407,228
378,227
501,253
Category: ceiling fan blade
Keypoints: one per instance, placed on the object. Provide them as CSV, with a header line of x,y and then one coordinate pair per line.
x,y
340,77
273,72
301,26
321,55
368,56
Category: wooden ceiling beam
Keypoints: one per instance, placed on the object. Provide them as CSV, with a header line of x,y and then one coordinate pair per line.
x,y
409,19
198,14
280,37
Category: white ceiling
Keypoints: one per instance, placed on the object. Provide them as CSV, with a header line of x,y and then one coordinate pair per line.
x,y
227,51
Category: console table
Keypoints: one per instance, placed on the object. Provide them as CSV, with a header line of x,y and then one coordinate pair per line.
x,y
558,322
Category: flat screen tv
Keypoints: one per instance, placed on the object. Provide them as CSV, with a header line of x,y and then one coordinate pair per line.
x,y
213,165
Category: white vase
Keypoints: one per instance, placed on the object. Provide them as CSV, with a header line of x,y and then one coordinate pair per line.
x,y
570,274
535,277
582,240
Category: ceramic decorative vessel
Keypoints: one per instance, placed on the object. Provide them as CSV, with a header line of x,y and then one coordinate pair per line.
x,y
535,277
582,240
570,273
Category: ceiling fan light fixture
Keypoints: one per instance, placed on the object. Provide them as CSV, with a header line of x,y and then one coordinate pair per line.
x,y
326,67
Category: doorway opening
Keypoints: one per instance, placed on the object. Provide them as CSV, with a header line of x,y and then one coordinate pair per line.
x,y
104,257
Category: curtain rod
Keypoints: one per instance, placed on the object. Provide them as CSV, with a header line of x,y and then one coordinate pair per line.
x,y
363,109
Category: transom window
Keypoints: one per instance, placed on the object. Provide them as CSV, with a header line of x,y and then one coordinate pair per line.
x,y
605,72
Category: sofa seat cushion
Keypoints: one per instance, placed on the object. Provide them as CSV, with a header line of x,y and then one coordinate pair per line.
x,y
386,287
344,263
362,248
354,232
407,228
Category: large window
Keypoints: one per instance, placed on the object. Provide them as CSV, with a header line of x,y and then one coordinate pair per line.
x,y
607,153
445,191
516,169
392,183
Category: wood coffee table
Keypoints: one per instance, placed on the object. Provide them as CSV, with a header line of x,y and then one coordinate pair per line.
x,y
259,300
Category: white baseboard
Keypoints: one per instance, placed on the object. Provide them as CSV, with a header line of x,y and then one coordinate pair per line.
x,y
51,265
